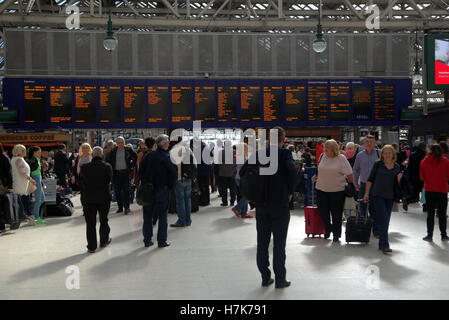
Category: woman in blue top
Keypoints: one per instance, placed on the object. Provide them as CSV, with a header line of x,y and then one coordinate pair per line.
x,y
381,186
34,160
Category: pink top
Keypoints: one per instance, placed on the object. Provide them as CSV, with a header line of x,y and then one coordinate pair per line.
x,y
332,173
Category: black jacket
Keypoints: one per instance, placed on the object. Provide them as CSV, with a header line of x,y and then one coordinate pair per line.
x,y
281,184
157,168
61,163
5,171
130,158
413,166
96,179
33,164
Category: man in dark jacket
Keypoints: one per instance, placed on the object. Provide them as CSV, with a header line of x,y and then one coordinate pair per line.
x,y
162,173
96,178
273,216
204,173
62,165
226,174
122,160
413,171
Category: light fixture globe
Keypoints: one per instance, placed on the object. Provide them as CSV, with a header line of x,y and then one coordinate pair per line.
x,y
319,45
110,43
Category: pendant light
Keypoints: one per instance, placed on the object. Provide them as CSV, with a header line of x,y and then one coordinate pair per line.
x,y
110,42
417,77
319,45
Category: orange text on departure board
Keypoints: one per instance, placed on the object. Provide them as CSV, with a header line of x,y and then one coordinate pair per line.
x,y
104,96
384,102
80,95
56,93
317,103
337,92
31,90
269,99
292,98
224,109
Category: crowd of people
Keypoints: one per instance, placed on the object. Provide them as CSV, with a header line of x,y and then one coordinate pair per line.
x,y
381,175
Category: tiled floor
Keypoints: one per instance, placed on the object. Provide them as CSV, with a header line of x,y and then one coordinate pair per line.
x,y
215,259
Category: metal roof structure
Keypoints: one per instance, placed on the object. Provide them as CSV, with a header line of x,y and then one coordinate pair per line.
x,y
274,16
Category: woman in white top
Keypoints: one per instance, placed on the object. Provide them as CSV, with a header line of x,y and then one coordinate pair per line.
x,y
21,178
333,170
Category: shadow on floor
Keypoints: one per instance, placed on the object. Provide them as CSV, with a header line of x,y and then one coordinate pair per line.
x,y
47,268
224,224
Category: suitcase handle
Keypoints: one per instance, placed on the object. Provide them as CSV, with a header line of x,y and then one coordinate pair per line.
x,y
357,212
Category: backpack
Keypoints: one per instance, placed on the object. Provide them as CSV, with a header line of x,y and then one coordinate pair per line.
x,y
252,184
188,171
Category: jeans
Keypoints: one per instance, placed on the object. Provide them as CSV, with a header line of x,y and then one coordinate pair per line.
x,y
242,204
383,208
160,208
26,204
39,196
269,221
121,186
183,191
91,221
436,200
363,207
331,204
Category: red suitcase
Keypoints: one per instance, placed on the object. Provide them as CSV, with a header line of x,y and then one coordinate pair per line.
x,y
314,223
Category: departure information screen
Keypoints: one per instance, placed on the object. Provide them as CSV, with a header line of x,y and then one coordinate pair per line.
x,y
340,99
250,103
383,102
205,103
272,103
60,103
295,102
158,103
110,104
361,102
86,104
181,99
317,108
134,103
227,102
35,103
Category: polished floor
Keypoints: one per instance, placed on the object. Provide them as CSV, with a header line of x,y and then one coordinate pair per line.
x,y
215,259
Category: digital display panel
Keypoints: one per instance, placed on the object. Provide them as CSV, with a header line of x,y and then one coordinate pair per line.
x,y
60,103
158,104
361,102
442,61
205,103
227,103
272,103
35,103
86,104
110,104
181,103
134,103
317,102
340,99
383,102
250,103
295,103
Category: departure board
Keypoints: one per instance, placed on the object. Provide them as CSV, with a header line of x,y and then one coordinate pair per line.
x,y
227,97
361,102
295,103
205,103
134,103
317,103
60,103
250,103
86,104
340,98
272,103
158,101
35,103
181,104
383,102
110,104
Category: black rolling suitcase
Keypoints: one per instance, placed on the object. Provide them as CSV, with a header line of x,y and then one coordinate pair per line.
x,y
172,203
195,201
358,229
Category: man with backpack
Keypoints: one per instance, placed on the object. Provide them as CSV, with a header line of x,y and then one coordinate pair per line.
x,y
182,156
364,162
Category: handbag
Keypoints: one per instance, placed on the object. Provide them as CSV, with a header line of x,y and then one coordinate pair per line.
x,y
31,188
349,190
145,194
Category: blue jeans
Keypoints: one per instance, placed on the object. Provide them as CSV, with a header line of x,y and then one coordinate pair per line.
x,y
160,209
383,209
39,196
183,191
242,204
363,207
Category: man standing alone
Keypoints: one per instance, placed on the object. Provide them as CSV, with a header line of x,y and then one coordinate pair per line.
x,y
96,178
61,167
122,160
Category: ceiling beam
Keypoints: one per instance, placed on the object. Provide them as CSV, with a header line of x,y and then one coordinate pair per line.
x,y
5,5
351,7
